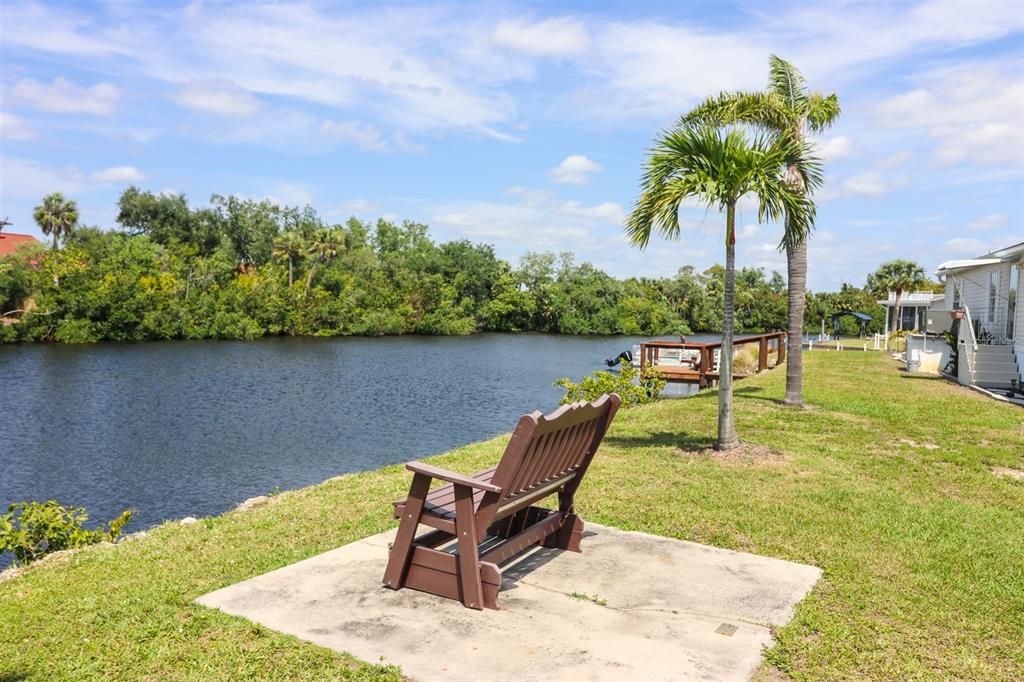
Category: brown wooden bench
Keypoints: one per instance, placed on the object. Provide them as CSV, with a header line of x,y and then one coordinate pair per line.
x,y
483,520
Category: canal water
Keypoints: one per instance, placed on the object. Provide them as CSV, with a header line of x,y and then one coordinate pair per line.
x,y
178,429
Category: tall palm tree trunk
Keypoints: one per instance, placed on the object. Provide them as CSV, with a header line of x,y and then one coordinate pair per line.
x,y
312,270
53,228
727,439
796,270
899,313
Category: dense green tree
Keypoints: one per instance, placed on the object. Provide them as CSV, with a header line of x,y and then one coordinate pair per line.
x,y
167,219
718,167
248,226
56,216
787,109
153,280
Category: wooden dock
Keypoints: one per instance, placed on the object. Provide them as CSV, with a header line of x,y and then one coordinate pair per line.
x,y
694,362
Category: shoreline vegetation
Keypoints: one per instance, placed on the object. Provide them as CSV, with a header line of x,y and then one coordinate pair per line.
x,y
242,269
896,498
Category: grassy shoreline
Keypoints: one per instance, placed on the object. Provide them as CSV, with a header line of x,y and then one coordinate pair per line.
x,y
884,481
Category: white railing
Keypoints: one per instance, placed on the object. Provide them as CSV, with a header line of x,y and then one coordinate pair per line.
x,y
970,327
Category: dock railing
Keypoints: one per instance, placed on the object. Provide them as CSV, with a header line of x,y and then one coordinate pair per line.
x,y
696,362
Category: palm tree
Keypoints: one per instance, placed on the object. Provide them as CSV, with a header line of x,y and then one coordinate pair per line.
x,y
289,247
897,276
785,108
719,166
325,246
56,215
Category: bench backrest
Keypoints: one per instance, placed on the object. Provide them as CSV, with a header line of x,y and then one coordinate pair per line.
x,y
545,453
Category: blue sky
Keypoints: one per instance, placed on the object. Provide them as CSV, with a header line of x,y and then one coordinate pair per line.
x,y
519,125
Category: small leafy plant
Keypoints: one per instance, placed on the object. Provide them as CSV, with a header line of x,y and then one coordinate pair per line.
x,y
31,530
633,386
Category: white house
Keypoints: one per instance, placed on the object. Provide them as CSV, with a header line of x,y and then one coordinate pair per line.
x,y
913,312
991,336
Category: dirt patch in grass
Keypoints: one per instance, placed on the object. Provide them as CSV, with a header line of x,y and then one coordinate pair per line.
x,y
1007,472
746,453
914,444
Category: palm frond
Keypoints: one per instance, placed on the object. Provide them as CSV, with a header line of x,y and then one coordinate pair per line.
x,y
763,110
822,111
786,81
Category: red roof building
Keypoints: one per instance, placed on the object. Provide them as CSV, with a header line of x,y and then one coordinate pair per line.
x,y
11,242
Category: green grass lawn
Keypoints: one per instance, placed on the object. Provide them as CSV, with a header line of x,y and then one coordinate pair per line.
x,y
884,482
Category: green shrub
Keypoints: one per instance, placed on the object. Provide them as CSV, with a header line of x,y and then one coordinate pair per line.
x,y
634,387
32,530
77,331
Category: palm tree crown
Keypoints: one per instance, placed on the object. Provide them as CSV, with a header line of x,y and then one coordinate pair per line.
x,y
718,167
325,246
56,216
897,276
288,248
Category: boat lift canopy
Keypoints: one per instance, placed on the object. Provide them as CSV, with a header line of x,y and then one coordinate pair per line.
x,y
861,318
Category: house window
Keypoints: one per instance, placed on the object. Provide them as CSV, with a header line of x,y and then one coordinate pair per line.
x,y
993,294
908,318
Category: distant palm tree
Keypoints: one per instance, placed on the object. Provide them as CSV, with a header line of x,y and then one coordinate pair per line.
x,y
289,247
785,108
718,167
325,246
898,276
56,215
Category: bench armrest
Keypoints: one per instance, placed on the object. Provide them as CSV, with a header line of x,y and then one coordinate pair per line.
x,y
450,476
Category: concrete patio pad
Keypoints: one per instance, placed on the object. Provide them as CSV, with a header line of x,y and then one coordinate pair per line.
x,y
632,606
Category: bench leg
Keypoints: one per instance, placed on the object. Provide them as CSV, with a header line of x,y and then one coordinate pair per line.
x,y
469,558
401,548
569,535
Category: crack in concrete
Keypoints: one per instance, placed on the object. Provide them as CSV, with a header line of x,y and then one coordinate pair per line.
x,y
651,609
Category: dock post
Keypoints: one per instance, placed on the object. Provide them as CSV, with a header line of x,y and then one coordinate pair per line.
x,y
762,354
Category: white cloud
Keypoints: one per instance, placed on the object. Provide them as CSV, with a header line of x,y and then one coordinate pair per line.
x,y
574,170
117,174
217,97
608,211
291,194
972,111
28,179
551,37
363,135
894,160
965,246
354,207
869,183
64,96
988,222
834,148
535,220
14,128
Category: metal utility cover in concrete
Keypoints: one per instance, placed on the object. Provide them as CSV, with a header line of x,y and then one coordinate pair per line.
x,y
632,606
